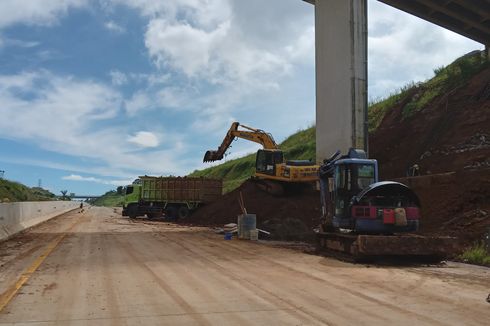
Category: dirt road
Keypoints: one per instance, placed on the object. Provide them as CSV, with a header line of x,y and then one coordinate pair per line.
x,y
97,268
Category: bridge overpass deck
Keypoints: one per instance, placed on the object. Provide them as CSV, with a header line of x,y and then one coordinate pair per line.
x,y
470,18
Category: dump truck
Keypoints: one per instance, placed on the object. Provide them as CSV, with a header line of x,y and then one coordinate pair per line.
x,y
275,173
172,197
363,217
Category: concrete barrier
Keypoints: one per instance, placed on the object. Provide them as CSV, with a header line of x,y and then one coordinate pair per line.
x,y
15,217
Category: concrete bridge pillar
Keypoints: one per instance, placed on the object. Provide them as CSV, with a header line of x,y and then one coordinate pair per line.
x,y
341,76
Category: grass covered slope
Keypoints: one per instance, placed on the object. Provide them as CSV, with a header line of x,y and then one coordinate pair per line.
x,y
299,146
110,199
414,97
11,191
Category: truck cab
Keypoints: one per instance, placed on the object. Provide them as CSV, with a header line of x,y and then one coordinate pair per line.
x,y
132,197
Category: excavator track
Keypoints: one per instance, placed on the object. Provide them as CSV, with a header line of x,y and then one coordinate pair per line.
x,y
365,248
272,187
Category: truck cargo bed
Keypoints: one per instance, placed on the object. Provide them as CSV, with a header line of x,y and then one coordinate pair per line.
x,y
180,189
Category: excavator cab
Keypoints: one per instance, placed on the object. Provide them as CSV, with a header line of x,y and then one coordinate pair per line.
x,y
351,176
266,161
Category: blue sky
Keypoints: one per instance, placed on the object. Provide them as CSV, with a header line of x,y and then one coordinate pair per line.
x,y
94,93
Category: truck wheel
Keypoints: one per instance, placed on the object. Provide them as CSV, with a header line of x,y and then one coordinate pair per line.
x,y
154,215
183,212
132,211
171,212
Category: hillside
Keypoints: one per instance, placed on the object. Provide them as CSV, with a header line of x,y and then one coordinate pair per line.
x,y
11,191
442,125
110,199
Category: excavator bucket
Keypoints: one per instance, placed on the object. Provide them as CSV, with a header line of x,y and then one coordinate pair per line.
x,y
212,156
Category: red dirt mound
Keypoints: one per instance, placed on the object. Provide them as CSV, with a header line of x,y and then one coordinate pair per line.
x,y
302,208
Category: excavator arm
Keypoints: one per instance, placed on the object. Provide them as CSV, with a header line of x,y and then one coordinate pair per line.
x,y
252,134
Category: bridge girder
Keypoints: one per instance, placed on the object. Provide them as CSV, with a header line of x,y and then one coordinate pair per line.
x,y
470,18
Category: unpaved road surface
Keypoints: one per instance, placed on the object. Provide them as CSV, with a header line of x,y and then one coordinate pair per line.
x,y
97,268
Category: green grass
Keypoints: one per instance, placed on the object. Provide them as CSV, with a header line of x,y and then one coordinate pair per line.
x,y
109,199
478,254
11,191
378,109
421,95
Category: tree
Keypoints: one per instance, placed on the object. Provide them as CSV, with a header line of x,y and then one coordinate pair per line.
x,y
64,196
120,190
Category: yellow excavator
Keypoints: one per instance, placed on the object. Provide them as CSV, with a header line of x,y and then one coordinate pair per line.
x,y
270,164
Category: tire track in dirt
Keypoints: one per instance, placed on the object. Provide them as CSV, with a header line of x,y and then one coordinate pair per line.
x,y
367,298
394,288
108,282
183,274
281,300
341,309
192,313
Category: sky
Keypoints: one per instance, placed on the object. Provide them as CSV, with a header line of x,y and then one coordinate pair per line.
x,y
94,93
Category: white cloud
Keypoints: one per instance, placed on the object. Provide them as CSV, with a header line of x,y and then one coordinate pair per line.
x,y
118,78
76,177
244,49
175,97
19,43
114,27
77,117
45,12
182,46
404,48
144,139
139,101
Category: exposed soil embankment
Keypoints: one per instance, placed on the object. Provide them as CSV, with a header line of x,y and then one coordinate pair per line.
x,y
451,133
455,204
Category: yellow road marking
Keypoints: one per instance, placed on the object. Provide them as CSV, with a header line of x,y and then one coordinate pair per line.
x,y
12,291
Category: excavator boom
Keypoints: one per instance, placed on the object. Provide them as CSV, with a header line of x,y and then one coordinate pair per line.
x,y
252,134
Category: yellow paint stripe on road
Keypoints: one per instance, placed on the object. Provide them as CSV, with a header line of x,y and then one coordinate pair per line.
x,y
6,297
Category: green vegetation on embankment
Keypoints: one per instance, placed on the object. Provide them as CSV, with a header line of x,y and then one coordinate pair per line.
x,y
11,191
413,97
112,198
